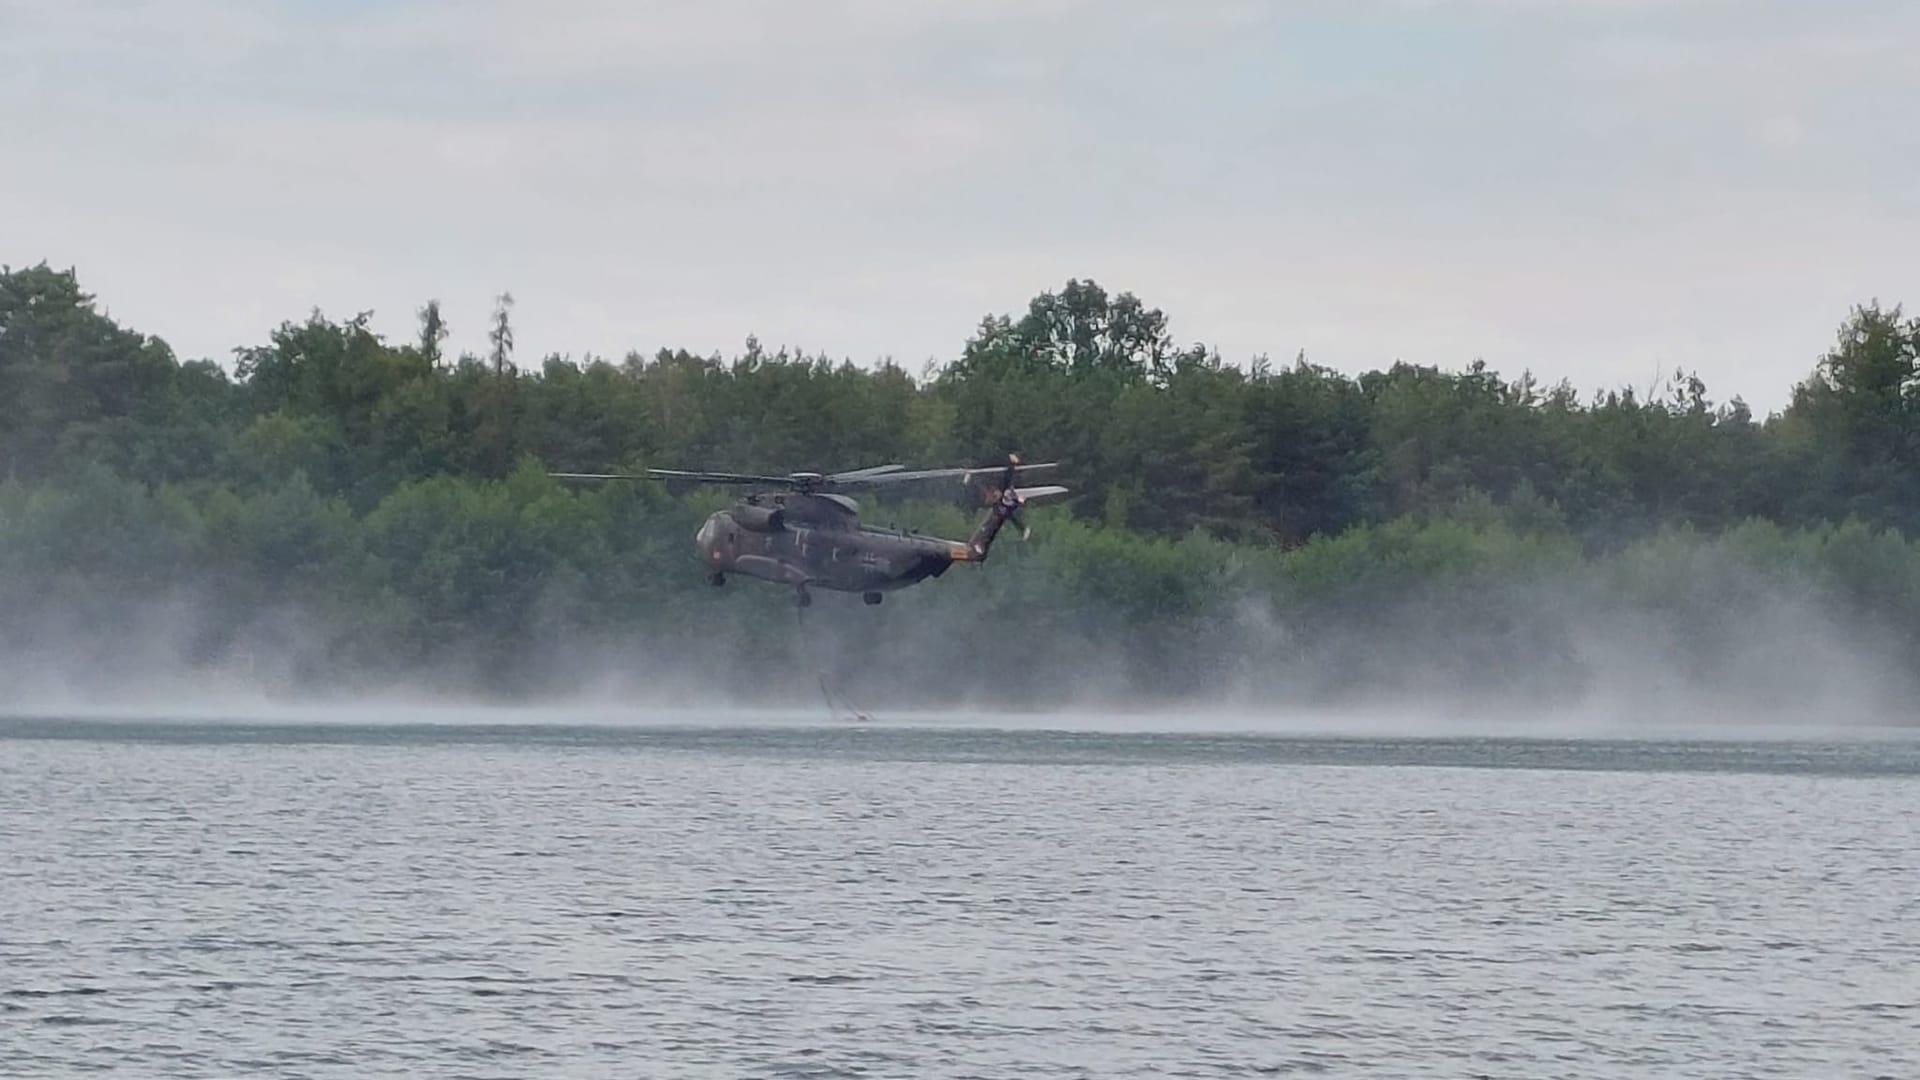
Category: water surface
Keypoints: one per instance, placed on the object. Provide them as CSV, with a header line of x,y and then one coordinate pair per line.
x,y
301,898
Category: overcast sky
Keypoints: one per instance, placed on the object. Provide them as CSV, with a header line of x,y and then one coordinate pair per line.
x,y
1596,189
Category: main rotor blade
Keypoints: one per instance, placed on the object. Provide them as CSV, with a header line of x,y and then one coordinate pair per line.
x,y
871,476
717,477
862,474
940,474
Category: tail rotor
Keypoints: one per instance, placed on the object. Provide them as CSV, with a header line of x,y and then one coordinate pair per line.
x,y
1004,499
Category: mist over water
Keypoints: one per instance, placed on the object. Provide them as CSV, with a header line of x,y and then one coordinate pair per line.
x,y
1558,655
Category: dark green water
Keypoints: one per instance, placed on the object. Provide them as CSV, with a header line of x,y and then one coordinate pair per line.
x,y
329,898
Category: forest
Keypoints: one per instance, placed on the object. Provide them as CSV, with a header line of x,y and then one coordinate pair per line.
x,y
330,513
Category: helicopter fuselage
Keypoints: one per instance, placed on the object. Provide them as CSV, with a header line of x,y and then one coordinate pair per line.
x,y
817,541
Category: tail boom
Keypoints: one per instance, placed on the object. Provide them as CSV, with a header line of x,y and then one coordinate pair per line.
x,y
1006,507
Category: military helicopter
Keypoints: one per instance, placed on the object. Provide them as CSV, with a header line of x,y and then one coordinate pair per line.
x,y
803,531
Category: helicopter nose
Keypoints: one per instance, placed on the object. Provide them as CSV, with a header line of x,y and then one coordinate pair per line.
x,y
706,541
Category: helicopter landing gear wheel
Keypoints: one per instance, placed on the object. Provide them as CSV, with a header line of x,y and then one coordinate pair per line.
x,y
872,597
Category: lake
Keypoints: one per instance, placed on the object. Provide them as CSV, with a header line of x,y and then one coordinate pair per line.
x,y
359,895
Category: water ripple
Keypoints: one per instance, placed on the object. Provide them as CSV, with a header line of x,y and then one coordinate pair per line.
x,y
739,903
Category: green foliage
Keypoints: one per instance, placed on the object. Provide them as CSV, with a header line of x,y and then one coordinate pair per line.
x,y
1293,528
1861,412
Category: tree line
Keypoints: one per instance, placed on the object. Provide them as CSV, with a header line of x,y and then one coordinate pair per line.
x,y
358,509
